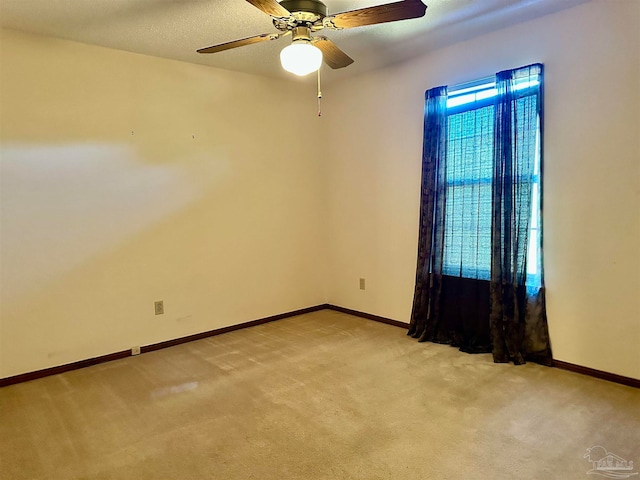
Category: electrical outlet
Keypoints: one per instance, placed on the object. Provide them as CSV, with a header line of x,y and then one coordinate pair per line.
x,y
135,350
362,284
159,307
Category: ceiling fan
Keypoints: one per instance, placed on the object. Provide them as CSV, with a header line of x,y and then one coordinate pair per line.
x,y
301,18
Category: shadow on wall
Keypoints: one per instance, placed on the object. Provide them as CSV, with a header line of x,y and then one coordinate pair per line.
x,y
65,204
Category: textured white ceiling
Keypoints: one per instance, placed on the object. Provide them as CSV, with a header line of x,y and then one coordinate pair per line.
x,y
176,28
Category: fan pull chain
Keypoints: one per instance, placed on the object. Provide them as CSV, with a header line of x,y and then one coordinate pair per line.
x,y
319,96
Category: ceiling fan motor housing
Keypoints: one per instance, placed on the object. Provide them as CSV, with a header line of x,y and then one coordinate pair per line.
x,y
306,10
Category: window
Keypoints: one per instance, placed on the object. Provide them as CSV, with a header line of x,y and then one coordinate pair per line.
x,y
469,177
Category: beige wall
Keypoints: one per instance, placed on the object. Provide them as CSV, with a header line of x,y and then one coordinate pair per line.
x,y
592,178
202,206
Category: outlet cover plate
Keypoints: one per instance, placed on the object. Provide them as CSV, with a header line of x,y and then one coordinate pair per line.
x,y
158,307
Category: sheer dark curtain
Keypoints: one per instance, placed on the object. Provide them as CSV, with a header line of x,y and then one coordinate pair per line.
x,y
480,222
424,318
518,311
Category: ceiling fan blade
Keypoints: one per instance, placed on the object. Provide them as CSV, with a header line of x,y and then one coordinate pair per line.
x,y
265,37
271,7
331,54
391,12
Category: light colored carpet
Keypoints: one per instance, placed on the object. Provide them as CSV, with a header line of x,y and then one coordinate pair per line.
x,y
319,396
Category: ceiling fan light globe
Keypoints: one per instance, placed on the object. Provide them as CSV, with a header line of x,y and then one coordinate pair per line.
x,y
301,58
